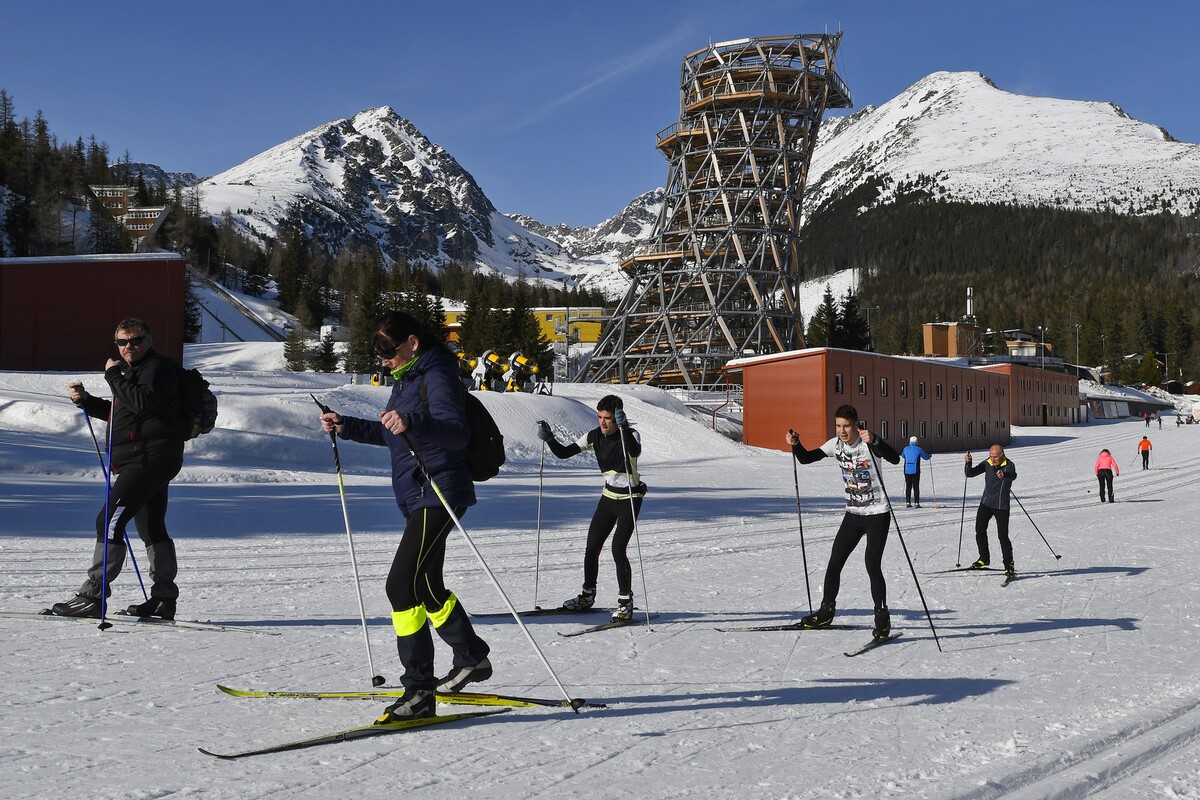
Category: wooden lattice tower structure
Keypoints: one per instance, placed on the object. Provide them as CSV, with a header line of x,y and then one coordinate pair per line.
x,y
718,279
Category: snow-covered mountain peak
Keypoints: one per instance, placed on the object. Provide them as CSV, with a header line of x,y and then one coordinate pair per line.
x,y
963,138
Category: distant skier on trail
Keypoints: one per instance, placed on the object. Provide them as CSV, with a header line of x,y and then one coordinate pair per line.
x,y
612,440
1106,467
998,475
867,513
427,412
912,456
1144,447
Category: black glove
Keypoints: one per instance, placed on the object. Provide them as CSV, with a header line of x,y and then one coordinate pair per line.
x,y
543,432
620,418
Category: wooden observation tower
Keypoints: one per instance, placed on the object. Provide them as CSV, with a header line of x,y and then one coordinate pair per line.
x,y
718,279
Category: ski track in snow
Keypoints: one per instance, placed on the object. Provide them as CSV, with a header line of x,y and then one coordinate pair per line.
x,y
1081,679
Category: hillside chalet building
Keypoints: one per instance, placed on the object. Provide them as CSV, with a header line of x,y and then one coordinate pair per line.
x,y
138,221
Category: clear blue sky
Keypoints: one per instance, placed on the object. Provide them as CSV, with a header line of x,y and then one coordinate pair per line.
x,y
553,106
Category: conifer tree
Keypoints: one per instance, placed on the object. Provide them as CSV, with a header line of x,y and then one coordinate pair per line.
x,y
295,350
823,327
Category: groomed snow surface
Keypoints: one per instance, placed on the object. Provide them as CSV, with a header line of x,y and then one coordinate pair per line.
x,y
1080,679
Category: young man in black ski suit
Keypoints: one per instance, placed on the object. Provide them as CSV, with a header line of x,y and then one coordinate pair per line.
x,y
146,429
868,512
620,501
998,475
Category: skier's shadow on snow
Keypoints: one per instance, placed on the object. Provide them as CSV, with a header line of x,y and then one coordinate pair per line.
x,y
904,691
1026,628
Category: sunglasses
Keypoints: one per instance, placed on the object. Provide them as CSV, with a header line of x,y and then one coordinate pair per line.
x,y
133,341
386,351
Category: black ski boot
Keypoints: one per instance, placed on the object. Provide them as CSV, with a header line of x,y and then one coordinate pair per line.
x,y
161,607
78,606
822,619
413,704
585,600
461,676
883,623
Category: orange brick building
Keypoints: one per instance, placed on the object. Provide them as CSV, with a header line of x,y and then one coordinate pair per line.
x,y
949,405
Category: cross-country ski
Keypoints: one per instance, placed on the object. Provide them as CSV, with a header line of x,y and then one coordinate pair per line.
x,y
350,734
871,645
449,698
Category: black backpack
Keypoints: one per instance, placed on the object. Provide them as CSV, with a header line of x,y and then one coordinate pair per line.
x,y
485,447
197,404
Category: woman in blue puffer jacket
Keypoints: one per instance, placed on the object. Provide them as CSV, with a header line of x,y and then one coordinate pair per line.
x,y
426,413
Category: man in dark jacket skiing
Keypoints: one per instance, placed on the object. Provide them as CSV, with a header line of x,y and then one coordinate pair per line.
x,y
620,501
146,432
868,513
425,413
998,475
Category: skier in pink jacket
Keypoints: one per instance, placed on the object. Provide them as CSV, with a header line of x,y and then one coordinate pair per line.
x,y
1106,467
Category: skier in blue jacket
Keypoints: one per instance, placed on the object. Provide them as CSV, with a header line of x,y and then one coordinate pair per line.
x,y
912,456
427,412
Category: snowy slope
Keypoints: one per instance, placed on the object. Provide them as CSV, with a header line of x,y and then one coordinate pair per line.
x,y
970,141
1081,678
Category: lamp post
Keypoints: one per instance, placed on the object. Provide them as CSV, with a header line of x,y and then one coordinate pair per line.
x,y
1042,329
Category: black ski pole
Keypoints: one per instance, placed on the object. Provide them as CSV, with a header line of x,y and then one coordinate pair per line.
x,y
575,704
961,521
108,524
632,473
537,556
376,679
900,535
1031,522
800,520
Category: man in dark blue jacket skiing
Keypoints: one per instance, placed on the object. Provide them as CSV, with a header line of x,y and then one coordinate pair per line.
x,y
427,413
912,456
998,474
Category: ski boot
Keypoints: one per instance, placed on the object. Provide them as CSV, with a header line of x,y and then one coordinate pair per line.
x,y
883,623
78,606
981,563
461,676
585,600
161,607
822,619
413,704
624,609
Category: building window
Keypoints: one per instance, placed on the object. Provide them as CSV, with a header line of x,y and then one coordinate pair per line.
x,y
837,383
883,428
954,391
903,388
921,390
983,430
954,429
924,434
883,389
969,430
941,429
968,394
983,394
937,391
904,429
862,384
